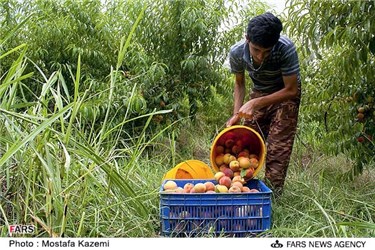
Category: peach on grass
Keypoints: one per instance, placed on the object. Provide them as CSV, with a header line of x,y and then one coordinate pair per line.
x,y
170,185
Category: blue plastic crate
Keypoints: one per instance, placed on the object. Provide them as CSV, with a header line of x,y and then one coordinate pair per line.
x,y
227,214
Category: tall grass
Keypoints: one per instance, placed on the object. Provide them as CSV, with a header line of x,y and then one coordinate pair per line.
x,y
61,175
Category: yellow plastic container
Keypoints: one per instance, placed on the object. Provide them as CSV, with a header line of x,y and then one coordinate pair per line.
x,y
190,169
249,139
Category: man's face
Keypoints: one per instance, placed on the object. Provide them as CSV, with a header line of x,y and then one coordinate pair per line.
x,y
259,53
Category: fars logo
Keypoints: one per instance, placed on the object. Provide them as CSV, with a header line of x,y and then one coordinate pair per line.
x,y
21,229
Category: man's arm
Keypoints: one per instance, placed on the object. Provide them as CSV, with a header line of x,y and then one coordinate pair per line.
x,y
238,96
289,91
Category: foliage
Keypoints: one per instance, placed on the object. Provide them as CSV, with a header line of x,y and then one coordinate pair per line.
x,y
337,42
64,177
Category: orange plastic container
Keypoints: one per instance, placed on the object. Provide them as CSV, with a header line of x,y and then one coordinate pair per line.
x,y
246,138
190,169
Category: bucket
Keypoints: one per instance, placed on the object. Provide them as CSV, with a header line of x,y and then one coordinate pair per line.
x,y
236,139
190,169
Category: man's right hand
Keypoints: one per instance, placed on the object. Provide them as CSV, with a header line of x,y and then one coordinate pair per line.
x,y
234,120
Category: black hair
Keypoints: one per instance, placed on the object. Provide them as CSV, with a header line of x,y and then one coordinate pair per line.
x,y
264,30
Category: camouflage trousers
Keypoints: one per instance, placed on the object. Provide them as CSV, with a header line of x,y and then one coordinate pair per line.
x,y
277,124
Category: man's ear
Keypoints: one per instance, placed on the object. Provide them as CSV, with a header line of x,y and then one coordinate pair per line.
x,y
247,38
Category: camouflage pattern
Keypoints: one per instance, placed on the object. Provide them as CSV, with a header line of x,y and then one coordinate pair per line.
x,y
277,124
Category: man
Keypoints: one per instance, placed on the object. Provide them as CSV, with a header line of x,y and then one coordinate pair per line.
x,y
273,66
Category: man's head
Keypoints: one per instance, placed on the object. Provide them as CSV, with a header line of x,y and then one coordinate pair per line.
x,y
264,30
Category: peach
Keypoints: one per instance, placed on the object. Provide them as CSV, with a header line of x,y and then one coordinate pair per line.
x,y
249,173
254,190
219,150
234,165
228,172
199,188
226,181
236,173
254,162
234,189
210,186
243,154
226,159
229,135
170,185
188,186
221,188
239,143
244,162
253,156
238,178
238,184
218,176
229,143
180,190
245,189
222,167
219,159
236,149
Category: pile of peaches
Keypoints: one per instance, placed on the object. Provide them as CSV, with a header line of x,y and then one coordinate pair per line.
x,y
225,184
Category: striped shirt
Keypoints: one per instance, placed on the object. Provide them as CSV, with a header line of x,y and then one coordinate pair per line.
x,y
282,61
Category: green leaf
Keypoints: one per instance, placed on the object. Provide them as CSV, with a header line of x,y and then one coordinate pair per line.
x,y
372,45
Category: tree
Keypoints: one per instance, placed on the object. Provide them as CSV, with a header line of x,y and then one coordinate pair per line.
x,y
337,41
